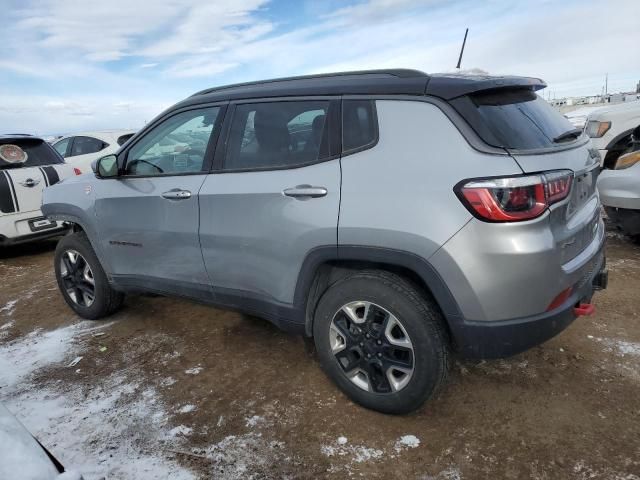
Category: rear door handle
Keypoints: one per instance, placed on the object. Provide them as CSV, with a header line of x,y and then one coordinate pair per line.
x,y
177,194
305,191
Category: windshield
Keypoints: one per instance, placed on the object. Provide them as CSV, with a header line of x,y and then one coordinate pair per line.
x,y
30,152
515,119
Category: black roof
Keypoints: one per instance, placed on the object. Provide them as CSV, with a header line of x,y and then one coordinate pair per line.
x,y
371,82
13,137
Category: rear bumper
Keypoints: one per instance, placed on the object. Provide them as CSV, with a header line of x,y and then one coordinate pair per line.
x,y
501,339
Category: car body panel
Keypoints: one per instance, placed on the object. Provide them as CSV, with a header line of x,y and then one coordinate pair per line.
x,y
146,235
243,217
620,188
624,118
392,196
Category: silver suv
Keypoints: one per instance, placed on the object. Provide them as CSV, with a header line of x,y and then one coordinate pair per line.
x,y
393,216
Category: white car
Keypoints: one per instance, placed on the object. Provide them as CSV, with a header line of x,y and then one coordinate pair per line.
x,y
81,149
27,166
610,130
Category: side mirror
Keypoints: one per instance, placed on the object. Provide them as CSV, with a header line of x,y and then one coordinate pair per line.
x,y
106,167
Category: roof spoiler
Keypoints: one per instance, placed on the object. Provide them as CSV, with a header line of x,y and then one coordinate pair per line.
x,y
450,86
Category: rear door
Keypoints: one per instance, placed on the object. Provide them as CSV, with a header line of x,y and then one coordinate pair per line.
x,y
273,198
148,217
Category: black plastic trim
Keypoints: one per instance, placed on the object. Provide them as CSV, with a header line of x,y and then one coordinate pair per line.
x,y
50,233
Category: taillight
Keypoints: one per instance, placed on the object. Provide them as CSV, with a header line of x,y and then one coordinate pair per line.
x,y
514,199
77,171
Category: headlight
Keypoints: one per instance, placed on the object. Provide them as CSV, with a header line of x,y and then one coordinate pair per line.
x,y
597,129
628,160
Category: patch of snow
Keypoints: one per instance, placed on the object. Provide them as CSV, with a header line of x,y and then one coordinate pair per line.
x,y
98,428
407,441
20,358
235,456
167,382
628,348
194,370
180,430
187,408
254,421
342,440
450,473
9,307
356,453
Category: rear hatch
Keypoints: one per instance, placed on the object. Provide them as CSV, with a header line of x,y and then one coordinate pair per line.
x,y
27,166
540,139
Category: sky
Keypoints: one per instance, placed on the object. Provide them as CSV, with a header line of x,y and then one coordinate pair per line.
x,y
73,65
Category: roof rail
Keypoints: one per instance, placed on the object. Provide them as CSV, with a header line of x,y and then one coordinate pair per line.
x,y
394,72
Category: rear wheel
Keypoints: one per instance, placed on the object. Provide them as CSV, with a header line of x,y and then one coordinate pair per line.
x,y
381,341
82,280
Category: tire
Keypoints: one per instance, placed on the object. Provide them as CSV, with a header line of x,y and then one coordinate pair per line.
x,y
390,299
105,299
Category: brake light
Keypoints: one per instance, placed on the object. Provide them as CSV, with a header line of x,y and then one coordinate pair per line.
x,y
77,171
514,199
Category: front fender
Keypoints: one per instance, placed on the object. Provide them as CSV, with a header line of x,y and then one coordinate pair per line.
x,y
74,202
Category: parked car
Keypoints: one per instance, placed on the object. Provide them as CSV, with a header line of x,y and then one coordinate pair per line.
x,y
620,189
610,130
83,148
27,165
417,214
22,457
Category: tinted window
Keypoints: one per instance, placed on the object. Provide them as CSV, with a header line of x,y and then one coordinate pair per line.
x,y
61,146
359,124
517,119
86,145
278,134
177,145
37,152
124,138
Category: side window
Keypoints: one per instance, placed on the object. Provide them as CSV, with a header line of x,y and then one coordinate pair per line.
x,y
359,124
278,134
177,145
62,145
86,145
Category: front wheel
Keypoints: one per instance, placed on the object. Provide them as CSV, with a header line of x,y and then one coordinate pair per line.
x,y
82,280
381,341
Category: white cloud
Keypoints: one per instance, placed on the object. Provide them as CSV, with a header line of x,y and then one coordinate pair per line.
x,y
101,53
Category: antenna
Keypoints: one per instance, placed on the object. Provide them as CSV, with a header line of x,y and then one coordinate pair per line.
x,y
464,42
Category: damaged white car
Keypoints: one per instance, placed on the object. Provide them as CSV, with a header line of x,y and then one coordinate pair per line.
x,y
620,189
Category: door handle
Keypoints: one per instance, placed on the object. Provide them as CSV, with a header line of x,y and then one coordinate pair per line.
x,y
177,194
305,191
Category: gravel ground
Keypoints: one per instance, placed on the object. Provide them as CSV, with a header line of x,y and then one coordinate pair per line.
x,y
172,389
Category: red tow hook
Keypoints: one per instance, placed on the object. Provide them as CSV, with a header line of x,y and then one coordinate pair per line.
x,y
584,309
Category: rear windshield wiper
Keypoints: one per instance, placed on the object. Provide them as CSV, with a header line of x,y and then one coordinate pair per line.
x,y
575,133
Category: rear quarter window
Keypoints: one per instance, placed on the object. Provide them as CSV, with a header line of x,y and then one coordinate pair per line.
x,y
513,119
39,153
359,125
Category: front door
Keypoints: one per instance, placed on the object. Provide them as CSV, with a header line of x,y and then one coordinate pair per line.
x,y
274,199
148,217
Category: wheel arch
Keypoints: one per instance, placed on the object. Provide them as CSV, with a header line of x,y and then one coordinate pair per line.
x,y
324,266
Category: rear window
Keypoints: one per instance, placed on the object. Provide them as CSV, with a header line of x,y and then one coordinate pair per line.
x,y
515,119
37,152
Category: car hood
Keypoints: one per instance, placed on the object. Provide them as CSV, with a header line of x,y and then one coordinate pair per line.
x,y
631,109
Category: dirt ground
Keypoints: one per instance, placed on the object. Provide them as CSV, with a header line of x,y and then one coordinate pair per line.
x,y
172,389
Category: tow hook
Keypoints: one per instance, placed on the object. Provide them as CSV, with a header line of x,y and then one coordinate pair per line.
x,y
584,309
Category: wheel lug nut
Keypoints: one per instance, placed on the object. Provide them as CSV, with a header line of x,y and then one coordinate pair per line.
x,y
379,354
379,342
361,344
367,335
